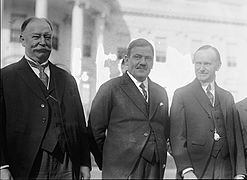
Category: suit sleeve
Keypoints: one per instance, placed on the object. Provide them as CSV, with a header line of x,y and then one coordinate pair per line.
x,y
98,122
243,122
240,157
167,121
75,124
178,135
3,160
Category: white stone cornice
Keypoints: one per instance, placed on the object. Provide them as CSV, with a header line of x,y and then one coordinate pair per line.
x,y
184,17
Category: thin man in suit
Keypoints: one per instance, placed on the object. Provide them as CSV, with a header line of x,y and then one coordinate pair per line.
x,y
43,131
242,110
206,137
129,120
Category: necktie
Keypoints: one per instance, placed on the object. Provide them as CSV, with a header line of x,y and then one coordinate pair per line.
x,y
42,75
142,86
209,94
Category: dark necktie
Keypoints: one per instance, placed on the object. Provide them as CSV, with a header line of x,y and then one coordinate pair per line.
x,y
142,86
209,94
42,75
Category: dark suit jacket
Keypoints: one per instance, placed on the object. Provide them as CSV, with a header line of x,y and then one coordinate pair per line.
x,y
23,109
119,123
242,109
192,129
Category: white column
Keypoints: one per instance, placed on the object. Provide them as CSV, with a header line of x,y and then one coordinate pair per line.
x,y
77,39
102,73
41,8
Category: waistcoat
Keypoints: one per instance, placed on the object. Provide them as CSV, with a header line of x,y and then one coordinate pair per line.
x,y
220,146
53,140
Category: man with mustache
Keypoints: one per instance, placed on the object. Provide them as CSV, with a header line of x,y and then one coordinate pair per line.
x,y
128,121
206,139
42,129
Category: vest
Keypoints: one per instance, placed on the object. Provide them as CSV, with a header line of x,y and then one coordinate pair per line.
x,y
53,141
150,152
220,146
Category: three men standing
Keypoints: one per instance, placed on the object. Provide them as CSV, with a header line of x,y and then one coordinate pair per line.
x,y
42,125
129,120
205,137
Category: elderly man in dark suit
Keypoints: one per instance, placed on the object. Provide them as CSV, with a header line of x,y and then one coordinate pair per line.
x,y
206,137
242,110
129,120
43,133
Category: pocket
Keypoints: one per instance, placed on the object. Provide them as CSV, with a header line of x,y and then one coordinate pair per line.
x,y
198,143
18,128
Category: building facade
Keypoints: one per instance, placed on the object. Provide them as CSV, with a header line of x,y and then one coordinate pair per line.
x,y
91,36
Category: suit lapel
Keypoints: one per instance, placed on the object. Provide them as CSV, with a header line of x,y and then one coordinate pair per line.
x,y
58,83
154,99
29,77
201,97
222,99
133,93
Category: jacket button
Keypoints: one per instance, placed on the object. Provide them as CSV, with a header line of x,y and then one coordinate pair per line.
x,y
43,120
145,134
42,105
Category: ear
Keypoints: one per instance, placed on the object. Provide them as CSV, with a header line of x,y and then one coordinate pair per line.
x,y
218,66
126,59
22,40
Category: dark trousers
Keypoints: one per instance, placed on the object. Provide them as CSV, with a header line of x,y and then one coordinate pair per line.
x,y
146,170
218,168
47,167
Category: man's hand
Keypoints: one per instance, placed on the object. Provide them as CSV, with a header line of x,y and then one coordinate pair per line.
x,y
190,175
239,177
5,174
84,172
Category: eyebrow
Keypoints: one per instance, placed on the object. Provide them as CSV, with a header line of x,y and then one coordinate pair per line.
x,y
47,33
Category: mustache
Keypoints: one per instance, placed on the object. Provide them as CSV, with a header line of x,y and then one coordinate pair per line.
x,y
142,67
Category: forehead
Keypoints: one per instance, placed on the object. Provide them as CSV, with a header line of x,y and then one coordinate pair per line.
x,y
38,26
146,50
206,55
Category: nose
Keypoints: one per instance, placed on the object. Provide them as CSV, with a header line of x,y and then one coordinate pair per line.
x,y
42,40
202,68
143,60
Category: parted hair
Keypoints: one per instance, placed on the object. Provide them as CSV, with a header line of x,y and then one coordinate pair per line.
x,y
30,19
205,47
140,42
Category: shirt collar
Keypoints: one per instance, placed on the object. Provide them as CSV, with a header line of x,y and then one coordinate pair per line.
x,y
137,83
29,59
205,85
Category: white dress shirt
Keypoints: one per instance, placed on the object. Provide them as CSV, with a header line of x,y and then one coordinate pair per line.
x,y
138,83
204,87
36,71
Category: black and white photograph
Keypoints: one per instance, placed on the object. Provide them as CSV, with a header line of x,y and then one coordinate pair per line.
x,y
123,89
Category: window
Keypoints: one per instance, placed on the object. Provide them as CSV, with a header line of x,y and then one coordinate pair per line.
x,y
87,50
161,48
160,56
88,34
88,39
16,21
231,58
